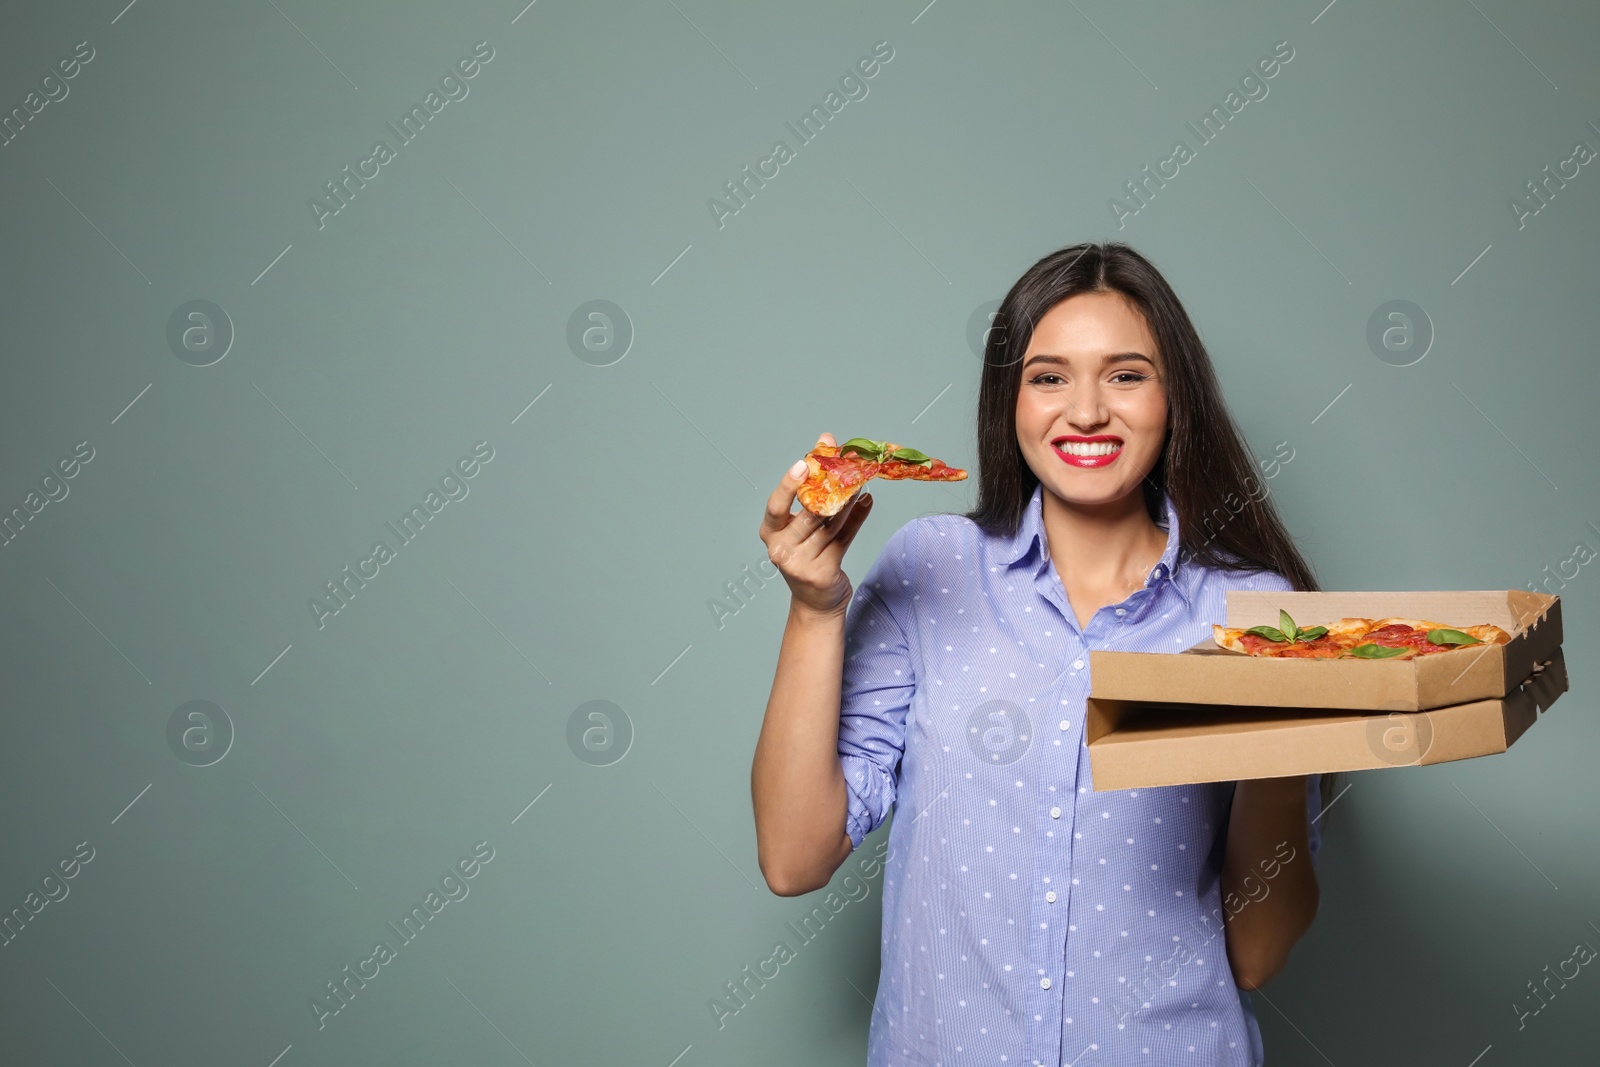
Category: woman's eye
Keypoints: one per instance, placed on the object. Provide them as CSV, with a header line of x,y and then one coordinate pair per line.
x,y
1126,377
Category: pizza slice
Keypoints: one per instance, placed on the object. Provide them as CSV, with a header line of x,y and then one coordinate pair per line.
x,y
930,471
835,473
1396,638
832,479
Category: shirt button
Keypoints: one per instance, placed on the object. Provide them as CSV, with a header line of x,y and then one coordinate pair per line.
x,y
1044,983
1055,813
1077,664
1064,724
1122,611
1050,896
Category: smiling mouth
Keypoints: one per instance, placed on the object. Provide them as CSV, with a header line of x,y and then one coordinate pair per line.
x,y
1088,448
1091,453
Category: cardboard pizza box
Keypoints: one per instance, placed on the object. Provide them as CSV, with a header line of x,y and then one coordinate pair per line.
x,y
1210,674
1136,744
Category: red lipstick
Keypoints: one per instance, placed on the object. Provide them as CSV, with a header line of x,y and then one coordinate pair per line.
x,y
1095,450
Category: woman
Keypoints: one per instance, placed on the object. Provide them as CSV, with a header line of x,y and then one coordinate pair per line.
x,y
1026,918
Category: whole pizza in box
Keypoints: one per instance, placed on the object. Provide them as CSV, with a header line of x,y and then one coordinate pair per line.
x,y
1356,638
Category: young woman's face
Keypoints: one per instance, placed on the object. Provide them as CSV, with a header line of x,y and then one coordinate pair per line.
x,y
1092,407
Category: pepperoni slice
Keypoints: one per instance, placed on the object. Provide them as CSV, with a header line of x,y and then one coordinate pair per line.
x,y
1323,647
1398,635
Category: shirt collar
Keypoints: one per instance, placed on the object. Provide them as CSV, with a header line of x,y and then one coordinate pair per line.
x,y
1029,537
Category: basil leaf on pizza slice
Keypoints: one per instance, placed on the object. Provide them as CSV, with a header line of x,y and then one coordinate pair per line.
x,y
1374,651
865,447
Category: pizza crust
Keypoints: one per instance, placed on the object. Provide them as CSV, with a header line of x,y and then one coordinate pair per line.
x,y
1415,624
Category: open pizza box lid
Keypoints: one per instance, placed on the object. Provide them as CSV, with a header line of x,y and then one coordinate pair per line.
x,y
1134,745
1210,674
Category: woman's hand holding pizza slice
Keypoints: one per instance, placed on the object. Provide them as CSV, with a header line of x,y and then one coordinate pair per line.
x,y
808,548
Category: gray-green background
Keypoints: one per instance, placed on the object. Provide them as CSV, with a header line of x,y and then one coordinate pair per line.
x,y
369,755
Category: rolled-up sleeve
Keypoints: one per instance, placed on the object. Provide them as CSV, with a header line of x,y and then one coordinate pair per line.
x,y
876,686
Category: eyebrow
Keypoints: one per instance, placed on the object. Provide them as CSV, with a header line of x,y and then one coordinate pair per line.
x,y
1120,357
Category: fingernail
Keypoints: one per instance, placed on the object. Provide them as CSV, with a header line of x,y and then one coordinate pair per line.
x,y
798,469
866,500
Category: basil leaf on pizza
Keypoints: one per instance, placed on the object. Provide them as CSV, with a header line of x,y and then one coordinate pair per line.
x,y
1288,631
865,447
1376,652
1452,637
909,455
1269,632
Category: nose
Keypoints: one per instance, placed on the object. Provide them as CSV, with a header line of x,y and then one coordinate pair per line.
x,y
1085,407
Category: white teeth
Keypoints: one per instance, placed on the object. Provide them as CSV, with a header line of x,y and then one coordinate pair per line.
x,y
1089,448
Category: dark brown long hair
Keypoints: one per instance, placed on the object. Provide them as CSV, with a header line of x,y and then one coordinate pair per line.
x,y
1224,520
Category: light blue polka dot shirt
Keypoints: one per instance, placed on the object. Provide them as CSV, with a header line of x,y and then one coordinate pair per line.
x,y
1028,919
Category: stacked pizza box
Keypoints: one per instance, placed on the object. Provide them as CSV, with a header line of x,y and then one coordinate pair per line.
x,y
1209,714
